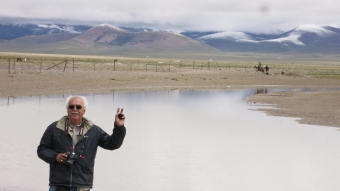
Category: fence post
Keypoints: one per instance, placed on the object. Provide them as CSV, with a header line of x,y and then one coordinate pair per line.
x,y
65,65
40,64
9,65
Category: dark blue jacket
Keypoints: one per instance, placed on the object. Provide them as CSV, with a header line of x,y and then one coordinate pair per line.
x,y
56,140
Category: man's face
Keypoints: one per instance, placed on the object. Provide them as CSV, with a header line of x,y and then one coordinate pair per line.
x,y
75,115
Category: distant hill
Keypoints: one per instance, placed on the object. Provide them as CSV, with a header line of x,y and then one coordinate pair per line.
x,y
306,38
13,31
115,36
107,39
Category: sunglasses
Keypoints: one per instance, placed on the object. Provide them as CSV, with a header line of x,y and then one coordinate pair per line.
x,y
77,106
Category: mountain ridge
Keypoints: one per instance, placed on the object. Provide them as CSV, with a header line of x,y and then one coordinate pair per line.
x,y
305,38
107,40
302,39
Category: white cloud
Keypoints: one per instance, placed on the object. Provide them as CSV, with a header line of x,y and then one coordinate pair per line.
x,y
225,15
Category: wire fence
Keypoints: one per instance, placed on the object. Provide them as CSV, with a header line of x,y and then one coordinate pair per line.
x,y
42,65
11,65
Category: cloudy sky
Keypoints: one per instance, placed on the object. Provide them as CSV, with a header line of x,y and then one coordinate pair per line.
x,y
260,16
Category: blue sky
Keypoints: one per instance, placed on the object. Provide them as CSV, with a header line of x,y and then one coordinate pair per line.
x,y
223,15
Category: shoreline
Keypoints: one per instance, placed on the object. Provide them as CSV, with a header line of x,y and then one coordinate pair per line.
x,y
319,107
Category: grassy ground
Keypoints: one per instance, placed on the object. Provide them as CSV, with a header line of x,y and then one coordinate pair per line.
x,y
40,62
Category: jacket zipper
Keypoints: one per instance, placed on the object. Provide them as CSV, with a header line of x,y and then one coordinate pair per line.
x,y
74,148
71,176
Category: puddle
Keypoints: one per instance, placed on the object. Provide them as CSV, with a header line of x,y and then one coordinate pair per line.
x,y
178,140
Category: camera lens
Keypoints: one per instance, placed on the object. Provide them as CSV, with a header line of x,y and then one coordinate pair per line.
x,y
70,158
69,162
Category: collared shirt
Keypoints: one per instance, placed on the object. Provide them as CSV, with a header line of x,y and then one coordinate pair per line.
x,y
74,131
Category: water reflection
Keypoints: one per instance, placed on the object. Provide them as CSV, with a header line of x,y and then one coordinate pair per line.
x,y
177,140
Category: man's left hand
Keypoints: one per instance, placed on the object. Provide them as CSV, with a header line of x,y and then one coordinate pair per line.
x,y
120,117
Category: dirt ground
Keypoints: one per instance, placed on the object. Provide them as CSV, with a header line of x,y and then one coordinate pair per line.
x,y
319,107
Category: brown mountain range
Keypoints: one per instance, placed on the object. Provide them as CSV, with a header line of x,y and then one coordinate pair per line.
x,y
109,40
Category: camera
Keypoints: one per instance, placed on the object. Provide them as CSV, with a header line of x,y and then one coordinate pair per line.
x,y
71,157
120,116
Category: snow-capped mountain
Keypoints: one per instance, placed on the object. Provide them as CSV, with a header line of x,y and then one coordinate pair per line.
x,y
289,37
56,29
106,34
233,36
298,35
13,31
303,38
101,39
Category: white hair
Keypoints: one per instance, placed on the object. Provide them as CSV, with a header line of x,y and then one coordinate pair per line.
x,y
75,96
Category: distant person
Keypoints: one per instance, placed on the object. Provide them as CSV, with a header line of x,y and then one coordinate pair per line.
x,y
70,146
267,69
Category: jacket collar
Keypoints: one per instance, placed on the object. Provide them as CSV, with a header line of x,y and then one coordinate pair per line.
x,y
87,124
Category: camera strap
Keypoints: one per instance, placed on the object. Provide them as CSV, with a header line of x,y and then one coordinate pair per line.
x,y
68,125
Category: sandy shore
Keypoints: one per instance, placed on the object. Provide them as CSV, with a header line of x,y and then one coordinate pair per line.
x,y
319,107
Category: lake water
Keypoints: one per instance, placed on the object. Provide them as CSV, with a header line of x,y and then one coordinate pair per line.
x,y
177,140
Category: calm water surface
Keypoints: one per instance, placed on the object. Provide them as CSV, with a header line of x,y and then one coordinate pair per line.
x,y
177,140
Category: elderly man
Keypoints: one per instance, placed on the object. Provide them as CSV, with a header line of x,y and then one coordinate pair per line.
x,y
70,146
